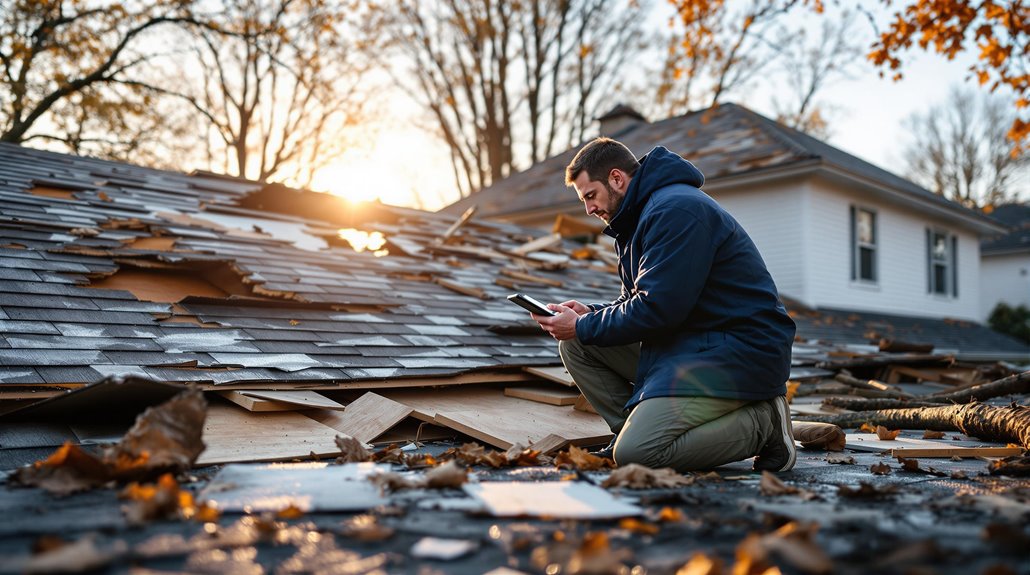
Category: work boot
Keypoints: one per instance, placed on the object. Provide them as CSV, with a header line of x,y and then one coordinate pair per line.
x,y
779,452
608,452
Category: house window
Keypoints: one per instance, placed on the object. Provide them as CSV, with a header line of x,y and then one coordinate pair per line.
x,y
863,244
942,263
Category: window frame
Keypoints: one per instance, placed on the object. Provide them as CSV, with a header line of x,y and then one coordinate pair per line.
x,y
857,246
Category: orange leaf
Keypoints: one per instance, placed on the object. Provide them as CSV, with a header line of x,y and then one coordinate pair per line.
x,y
886,434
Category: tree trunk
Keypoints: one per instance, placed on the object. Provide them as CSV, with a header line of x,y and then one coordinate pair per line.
x,y
1002,424
1013,384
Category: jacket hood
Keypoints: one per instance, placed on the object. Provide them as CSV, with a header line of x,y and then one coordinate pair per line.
x,y
659,168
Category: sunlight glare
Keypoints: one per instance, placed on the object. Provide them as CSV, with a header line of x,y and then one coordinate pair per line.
x,y
400,166
361,240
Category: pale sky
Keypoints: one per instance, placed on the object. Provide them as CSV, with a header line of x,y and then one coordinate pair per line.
x,y
399,161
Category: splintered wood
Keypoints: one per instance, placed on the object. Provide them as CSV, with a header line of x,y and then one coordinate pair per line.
x,y
493,418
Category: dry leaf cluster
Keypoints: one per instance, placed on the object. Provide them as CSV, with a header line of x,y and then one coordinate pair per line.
x,y
770,485
592,555
166,438
886,434
636,476
351,450
449,475
583,460
162,500
880,469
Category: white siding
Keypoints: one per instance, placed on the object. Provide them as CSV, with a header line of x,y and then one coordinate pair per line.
x,y
1004,279
772,215
901,259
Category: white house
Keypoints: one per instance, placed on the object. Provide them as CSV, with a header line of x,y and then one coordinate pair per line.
x,y
836,232
1005,261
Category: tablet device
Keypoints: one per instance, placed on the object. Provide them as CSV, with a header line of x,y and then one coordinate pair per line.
x,y
529,304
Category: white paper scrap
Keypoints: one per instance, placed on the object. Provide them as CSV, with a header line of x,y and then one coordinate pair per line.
x,y
557,499
442,549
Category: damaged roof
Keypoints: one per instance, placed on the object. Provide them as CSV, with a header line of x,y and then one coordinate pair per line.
x,y
725,142
1017,218
109,269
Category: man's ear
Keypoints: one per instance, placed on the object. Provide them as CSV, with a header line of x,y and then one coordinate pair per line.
x,y
616,178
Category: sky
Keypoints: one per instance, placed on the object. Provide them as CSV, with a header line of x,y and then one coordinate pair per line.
x,y
399,163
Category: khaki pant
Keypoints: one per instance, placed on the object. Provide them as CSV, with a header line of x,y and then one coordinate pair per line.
x,y
684,433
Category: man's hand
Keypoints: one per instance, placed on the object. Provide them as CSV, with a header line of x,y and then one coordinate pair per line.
x,y
577,307
561,326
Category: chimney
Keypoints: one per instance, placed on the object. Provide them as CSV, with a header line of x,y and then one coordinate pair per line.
x,y
619,120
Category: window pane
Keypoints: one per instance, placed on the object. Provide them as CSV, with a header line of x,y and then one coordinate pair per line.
x,y
939,277
867,259
940,247
865,227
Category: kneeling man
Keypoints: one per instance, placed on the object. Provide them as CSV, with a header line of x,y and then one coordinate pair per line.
x,y
688,366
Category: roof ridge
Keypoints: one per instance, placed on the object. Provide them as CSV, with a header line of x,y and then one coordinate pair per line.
x,y
775,129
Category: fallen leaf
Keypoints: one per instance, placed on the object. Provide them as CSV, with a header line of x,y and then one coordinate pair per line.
x,y
596,557
291,511
294,322
393,482
792,543
886,434
522,456
701,564
104,197
448,475
908,464
866,491
637,526
880,469
366,528
670,514
929,434
770,486
814,435
867,428
166,438
840,459
581,459
150,501
351,450
636,476
792,389
1013,466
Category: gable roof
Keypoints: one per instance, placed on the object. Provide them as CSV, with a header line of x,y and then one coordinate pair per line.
x,y
725,142
1017,241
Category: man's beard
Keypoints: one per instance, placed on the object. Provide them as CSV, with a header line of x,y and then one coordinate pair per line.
x,y
614,203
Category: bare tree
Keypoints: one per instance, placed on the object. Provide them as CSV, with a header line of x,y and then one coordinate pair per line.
x,y
811,66
483,69
961,152
67,59
274,85
714,50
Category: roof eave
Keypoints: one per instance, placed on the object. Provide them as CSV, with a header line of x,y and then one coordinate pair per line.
x,y
981,224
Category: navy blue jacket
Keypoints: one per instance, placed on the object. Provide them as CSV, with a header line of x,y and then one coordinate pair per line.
x,y
695,293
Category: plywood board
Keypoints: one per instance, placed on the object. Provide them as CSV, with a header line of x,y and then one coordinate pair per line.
x,y
365,419
870,442
299,398
956,452
496,419
256,403
556,374
233,434
557,499
550,396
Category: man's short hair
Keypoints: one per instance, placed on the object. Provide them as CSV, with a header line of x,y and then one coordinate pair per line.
x,y
598,158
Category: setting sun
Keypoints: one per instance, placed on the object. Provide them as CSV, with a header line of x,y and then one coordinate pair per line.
x,y
401,166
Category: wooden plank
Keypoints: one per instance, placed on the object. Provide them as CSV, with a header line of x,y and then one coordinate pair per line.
x,y
556,374
365,419
299,398
870,442
496,419
538,244
543,395
462,289
233,434
956,451
530,278
256,403
465,217
550,444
